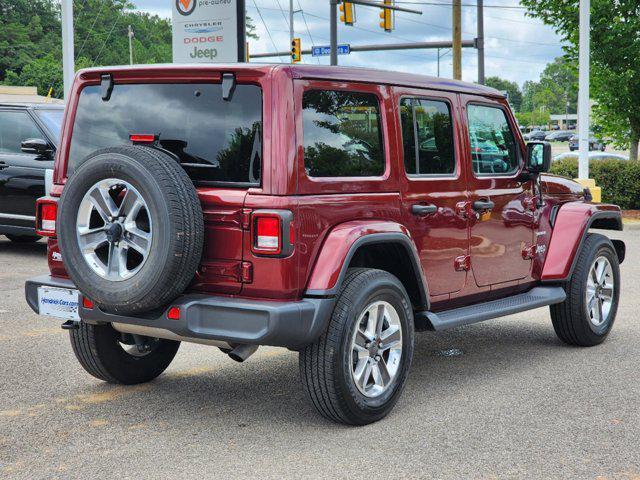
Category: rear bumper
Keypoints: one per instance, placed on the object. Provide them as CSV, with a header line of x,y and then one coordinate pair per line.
x,y
292,324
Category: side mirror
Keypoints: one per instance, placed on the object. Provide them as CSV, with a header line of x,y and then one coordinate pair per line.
x,y
37,146
538,157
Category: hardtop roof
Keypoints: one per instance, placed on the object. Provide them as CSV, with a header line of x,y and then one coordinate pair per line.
x,y
339,73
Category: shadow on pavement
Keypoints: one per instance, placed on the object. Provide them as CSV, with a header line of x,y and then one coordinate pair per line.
x,y
266,389
37,249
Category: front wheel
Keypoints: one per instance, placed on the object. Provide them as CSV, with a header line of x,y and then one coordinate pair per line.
x,y
586,317
116,358
355,372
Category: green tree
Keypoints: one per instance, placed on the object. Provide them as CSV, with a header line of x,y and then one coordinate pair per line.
x,y
31,45
512,89
615,49
558,85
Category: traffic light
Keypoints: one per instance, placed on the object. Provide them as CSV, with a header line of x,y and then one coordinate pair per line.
x,y
347,13
296,54
386,17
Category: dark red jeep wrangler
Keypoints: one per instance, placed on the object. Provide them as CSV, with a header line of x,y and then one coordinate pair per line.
x,y
332,211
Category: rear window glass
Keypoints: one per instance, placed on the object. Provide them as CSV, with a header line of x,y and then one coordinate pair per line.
x,y
216,140
342,135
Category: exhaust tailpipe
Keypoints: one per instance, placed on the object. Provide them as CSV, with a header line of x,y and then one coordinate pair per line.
x,y
242,352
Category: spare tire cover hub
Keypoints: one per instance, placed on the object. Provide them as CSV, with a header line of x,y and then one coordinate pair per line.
x,y
114,229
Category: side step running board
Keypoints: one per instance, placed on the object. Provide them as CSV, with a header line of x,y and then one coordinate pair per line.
x,y
534,298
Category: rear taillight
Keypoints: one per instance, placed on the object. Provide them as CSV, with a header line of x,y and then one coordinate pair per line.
x,y
46,213
267,234
272,233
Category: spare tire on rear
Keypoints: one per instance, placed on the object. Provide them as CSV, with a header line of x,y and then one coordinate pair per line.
x,y
130,228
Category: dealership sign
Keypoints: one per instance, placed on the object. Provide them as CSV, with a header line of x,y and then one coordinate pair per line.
x,y
208,31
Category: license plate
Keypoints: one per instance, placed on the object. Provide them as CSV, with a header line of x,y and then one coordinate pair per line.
x,y
58,302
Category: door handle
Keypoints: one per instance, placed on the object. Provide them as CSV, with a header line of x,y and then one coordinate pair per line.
x,y
423,209
480,205
3,166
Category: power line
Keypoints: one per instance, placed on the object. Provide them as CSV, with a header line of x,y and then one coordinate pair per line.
x,y
104,2
506,7
286,20
106,40
307,27
266,28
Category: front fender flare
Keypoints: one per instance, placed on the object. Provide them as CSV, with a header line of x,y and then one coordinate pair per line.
x,y
570,228
343,242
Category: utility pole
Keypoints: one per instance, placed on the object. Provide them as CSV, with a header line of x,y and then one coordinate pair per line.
x,y
333,34
480,14
583,90
130,35
291,31
68,64
441,56
457,40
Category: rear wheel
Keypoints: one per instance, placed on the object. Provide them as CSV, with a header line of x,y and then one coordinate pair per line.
x,y
22,238
116,358
355,372
586,317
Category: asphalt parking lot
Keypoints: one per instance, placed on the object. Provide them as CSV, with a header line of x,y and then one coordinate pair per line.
x,y
502,399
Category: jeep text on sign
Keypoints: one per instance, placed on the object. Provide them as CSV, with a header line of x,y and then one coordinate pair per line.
x,y
205,31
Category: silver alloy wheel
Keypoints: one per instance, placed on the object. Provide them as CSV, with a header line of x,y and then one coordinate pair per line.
x,y
114,229
599,295
376,348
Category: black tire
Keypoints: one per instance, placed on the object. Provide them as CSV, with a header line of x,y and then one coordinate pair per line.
x,y
177,228
571,318
98,349
326,365
22,238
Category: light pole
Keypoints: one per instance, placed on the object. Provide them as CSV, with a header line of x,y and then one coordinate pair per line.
x,y
291,32
68,67
130,35
480,14
333,34
583,90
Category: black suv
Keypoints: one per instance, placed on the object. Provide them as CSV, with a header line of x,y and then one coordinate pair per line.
x,y
29,135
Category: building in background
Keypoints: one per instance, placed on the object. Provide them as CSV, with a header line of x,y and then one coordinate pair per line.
x,y
24,95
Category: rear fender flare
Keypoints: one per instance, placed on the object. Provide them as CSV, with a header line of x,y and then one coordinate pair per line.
x,y
341,245
570,228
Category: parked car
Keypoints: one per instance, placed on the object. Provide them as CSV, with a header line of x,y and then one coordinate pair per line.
x,y
306,207
29,135
535,135
559,136
592,156
594,143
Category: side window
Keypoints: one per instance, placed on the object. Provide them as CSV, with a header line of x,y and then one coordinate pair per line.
x,y
342,136
493,146
427,137
15,127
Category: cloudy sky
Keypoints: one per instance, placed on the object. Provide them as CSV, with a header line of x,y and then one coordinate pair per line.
x,y
516,47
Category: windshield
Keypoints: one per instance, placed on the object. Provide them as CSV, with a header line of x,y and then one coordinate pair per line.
x,y
216,140
52,120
